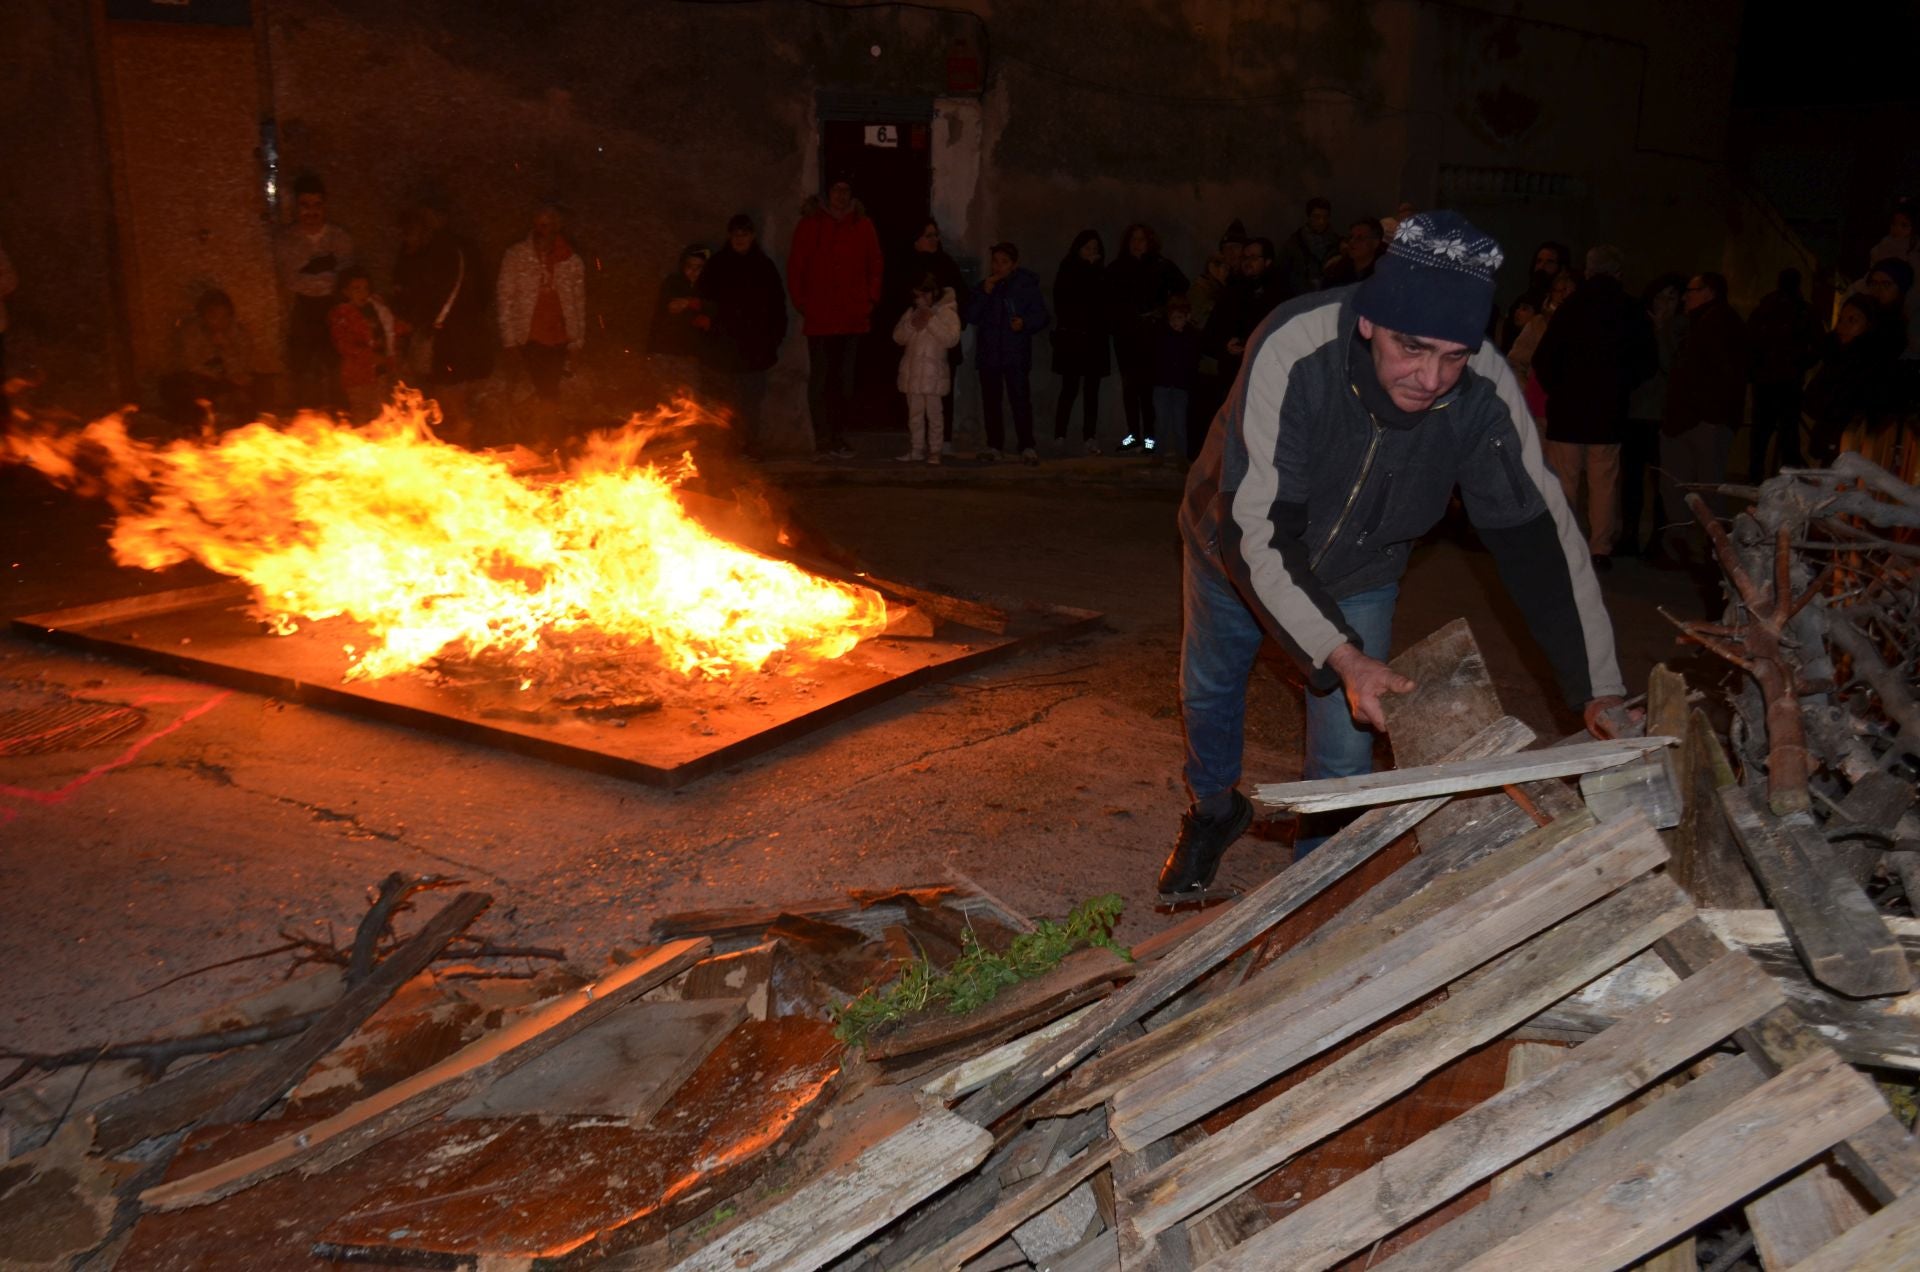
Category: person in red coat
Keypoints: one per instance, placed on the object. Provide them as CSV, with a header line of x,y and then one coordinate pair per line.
x,y
834,275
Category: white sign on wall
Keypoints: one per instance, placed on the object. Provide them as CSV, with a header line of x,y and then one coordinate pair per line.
x,y
886,136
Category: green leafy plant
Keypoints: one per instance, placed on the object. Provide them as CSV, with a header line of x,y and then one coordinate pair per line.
x,y
979,975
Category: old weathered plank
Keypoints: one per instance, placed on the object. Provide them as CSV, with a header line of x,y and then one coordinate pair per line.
x,y
280,1068
1478,1009
1247,919
1167,1251
1666,702
829,1215
1890,1238
972,1074
336,1139
1650,785
1297,974
1802,1213
1791,1118
1706,860
1329,794
1883,1156
1398,971
626,1065
1524,1201
1522,1118
1017,1205
1836,930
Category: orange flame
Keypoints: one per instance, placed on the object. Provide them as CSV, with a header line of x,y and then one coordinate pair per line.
x,y
437,550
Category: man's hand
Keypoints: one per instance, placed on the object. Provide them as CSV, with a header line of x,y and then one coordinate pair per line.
x,y
1365,680
1018,324
1609,717
1236,347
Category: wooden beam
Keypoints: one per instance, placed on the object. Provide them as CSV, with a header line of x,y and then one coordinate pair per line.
x,y
1792,1220
1502,1130
1295,976
829,1215
1524,1201
1890,1238
1791,1118
1474,1012
1017,1205
1215,943
358,1127
1834,928
972,1074
1650,785
1666,702
1706,860
1397,971
282,1067
1330,794
1883,1157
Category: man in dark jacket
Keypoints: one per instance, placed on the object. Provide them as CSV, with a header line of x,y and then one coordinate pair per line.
x,y
834,273
1006,312
1597,350
1785,336
1355,418
749,307
1706,395
1308,250
1249,298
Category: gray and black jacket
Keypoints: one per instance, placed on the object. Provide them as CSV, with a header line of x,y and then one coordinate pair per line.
x,y
1313,488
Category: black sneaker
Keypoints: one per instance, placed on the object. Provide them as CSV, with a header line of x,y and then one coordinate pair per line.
x,y
1195,858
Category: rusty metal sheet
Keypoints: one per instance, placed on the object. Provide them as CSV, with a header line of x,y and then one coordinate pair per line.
x,y
207,633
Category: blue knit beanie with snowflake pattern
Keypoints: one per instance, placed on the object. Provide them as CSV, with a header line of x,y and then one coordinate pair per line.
x,y
1436,280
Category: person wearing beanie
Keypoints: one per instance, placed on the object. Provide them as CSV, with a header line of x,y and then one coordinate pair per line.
x,y
1356,415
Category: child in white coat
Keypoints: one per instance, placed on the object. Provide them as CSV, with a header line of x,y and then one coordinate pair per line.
x,y
929,328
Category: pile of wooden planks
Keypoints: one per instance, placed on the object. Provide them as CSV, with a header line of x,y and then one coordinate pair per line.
x,y
1489,1024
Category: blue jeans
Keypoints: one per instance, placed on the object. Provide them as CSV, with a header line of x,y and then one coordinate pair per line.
x,y
1170,417
1217,654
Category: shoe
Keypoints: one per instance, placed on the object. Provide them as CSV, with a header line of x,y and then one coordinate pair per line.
x,y
991,456
934,460
1195,858
946,448
1092,447
1030,455
1148,444
912,457
1129,443
843,451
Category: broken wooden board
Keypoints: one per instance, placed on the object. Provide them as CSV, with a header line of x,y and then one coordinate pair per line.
x,y
338,1138
1252,915
1397,971
1474,1012
56,1202
1650,785
1707,861
585,1188
626,1065
1840,937
1788,1120
1796,1217
1889,1238
421,1025
1525,1117
830,1215
1394,786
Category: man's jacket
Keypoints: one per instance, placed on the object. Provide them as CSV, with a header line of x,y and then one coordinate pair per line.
x,y
1314,488
833,273
1596,351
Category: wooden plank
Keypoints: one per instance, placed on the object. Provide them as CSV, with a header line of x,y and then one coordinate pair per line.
x,y
1525,1117
1792,1220
1024,1005
1650,785
1667,707
1329,794
336,1139
1167,1251
1474,1012
1883,1157
829,1215
972,1074
1248,918
1835,929
625,1065
1017,1205
1890,1238
1397,971
1524,1201
282,1067
1791,1118
1706,860
1302,969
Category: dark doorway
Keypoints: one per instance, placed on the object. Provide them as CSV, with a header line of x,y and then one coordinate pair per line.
x,y
889,162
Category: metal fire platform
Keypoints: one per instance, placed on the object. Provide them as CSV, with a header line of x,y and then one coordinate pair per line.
x,y
207,633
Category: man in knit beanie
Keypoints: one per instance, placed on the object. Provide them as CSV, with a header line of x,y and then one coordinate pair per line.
x,y
1356,415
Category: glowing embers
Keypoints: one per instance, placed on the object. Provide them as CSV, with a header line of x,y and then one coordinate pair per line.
x,y
441,555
